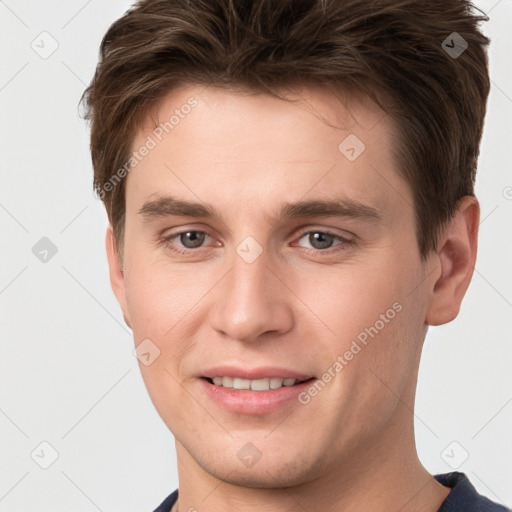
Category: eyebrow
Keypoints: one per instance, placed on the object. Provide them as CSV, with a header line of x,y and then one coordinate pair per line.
x,y
345,208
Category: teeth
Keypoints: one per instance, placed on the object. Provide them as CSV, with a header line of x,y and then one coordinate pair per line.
x,y
260,385
241,383
275,383
253,385
227,382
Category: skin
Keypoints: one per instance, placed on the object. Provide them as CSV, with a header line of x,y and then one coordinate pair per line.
x,y
352,446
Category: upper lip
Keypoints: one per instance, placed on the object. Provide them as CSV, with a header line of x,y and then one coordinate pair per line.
x,y
254,373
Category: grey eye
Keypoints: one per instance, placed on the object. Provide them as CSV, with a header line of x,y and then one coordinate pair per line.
x,y
319,240
192,239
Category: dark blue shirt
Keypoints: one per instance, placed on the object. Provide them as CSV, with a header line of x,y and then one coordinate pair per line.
x,y
462,498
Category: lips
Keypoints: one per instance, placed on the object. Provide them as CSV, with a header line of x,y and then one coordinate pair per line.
x,y
238,396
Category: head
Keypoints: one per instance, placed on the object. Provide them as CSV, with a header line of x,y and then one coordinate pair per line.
x,y
345,119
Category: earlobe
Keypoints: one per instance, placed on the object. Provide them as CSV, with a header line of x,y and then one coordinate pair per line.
x,y
456,256
116,273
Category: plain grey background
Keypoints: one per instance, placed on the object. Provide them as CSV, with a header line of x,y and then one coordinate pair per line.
x,y
71,395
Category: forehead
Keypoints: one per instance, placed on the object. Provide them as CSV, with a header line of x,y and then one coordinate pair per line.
x,y
214,112
214,143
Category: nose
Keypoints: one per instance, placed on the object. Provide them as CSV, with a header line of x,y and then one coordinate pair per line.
x,y
252,302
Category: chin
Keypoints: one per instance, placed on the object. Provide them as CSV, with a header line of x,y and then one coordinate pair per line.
x,y
269,472
261,478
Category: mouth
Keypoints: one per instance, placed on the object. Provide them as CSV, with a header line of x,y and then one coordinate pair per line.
x,y
254,392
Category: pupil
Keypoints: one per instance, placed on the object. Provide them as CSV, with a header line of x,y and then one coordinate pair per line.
x,y
321,238
194,236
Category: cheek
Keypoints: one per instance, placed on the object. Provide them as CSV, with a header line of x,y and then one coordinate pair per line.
x,y
158,297
165,305
377,324
345,301
370,318
158,304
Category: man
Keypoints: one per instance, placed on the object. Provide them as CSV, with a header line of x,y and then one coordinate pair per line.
x,y
290,190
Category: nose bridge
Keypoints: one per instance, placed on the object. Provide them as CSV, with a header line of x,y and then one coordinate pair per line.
x,y
250,269
251,301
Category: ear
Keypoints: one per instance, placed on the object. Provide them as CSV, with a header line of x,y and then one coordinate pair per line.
x,y
456,257
116,273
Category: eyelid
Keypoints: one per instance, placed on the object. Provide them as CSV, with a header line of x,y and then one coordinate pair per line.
x,y
345,235
302,231
178,230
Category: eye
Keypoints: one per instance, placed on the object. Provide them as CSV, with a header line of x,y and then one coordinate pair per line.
x,y
322,240
189,240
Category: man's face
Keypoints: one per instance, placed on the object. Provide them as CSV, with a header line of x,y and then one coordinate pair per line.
x,y
257,294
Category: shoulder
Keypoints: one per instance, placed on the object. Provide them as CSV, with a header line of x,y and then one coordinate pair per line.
x,y
464,497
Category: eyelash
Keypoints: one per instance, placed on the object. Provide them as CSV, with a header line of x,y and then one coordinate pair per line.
x,y
184,252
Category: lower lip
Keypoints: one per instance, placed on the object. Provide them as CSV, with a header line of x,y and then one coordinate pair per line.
x,y
253,402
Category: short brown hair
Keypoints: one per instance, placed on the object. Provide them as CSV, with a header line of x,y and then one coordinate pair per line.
x,y
413,52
